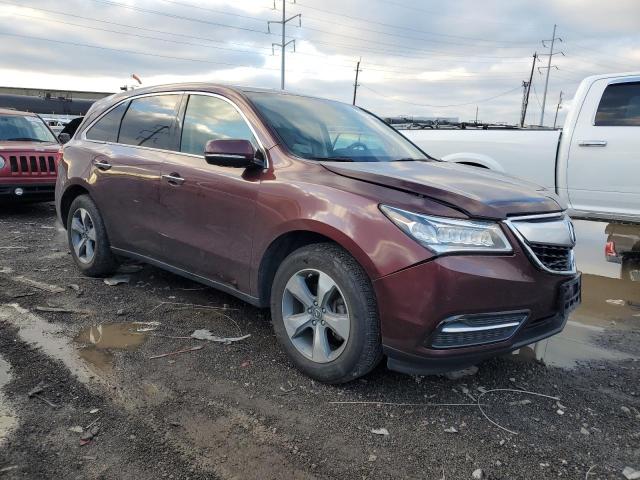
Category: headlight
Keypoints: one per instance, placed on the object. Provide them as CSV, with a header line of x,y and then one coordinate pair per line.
x,y
2,162
443,235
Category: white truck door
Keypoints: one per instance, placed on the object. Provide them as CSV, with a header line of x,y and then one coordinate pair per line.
x,y
603,172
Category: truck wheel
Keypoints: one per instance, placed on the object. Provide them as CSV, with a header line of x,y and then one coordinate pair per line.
x,y
325,315
88,239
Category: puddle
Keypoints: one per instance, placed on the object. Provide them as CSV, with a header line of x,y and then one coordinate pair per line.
x,y
47,336
575,345
99,340
8,418
610,297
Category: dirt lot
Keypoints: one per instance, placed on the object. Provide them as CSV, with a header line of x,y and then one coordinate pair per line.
x,y
105,409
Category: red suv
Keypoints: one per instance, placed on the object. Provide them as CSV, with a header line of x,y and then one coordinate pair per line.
x,y
29,155
360,243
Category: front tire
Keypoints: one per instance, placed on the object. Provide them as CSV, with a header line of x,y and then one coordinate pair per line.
x,y
325,315
88,240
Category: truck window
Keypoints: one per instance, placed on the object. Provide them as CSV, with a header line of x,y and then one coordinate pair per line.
x,y
619,106
210,118
148,121
106,129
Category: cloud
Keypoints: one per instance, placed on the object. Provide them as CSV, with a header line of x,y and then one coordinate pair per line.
x,y
413,53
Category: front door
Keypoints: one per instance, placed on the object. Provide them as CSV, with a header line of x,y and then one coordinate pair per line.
x,y
604,158
209,209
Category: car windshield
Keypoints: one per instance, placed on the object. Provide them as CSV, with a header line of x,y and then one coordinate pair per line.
x,y
17,128
318,129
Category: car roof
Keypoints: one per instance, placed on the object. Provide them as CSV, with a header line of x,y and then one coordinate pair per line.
x,y
8,111
204,87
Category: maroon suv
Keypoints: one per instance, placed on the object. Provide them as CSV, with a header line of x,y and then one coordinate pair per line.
x,y
359,242
29,155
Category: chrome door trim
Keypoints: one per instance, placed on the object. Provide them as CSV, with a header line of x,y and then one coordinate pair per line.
x,y
83,136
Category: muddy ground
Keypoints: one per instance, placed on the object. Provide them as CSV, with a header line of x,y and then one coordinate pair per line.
x,y
104,409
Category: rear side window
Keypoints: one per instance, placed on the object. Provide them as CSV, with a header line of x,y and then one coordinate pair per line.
x,y
148,122
106,129
619,106
210,118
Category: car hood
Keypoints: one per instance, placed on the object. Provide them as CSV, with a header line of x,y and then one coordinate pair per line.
x,y
51,147
475,191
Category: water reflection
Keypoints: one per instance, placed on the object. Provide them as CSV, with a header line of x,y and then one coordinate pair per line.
x,y
608,255
98,341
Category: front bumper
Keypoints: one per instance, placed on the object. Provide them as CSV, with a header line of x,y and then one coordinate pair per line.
x,y
28,192
415,301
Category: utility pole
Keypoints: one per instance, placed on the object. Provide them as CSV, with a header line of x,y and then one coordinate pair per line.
x,y
526,91
548,67
476,122
356,84
283,45
557,108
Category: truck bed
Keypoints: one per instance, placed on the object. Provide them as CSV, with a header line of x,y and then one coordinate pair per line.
x,y
530,154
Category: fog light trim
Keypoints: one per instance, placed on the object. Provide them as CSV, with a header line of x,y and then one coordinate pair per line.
x,y
477,329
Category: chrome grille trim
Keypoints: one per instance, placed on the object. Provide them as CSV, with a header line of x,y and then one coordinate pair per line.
x,y
548,228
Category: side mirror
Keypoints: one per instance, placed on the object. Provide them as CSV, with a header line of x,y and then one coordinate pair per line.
x,y
231,153
64,138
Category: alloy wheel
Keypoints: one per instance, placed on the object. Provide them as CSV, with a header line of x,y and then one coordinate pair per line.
x,y
83,235
315,315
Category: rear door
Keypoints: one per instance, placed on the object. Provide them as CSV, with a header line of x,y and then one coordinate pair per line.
x,y
208,209
136,136
604,157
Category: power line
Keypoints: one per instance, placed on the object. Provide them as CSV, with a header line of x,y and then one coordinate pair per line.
x,y
198,20
133,52
466,74
90,27
404,28
442,106
134,27
180,17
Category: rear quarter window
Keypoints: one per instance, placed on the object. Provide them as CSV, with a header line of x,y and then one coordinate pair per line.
x,y
106,129
619,106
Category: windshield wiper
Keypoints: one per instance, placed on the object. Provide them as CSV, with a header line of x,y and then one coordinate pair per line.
x,y
24,139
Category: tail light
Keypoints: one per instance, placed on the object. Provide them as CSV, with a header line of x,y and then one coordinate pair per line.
x,y
610,249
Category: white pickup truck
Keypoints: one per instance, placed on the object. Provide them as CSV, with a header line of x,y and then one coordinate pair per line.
x,y
593,163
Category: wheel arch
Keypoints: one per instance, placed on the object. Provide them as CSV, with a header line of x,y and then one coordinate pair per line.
x,y
295,238
474,159
70,194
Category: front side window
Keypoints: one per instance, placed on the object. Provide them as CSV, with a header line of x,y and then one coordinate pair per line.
x,y
619,106
211,118
16,128
148,121
106,129
318,129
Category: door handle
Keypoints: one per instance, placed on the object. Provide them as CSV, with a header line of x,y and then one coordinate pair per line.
x,y
593,143
173,179
102,165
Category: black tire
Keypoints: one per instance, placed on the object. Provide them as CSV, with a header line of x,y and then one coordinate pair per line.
x,y
104,262
363,350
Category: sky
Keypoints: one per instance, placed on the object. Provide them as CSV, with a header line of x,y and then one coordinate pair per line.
x,y
418,58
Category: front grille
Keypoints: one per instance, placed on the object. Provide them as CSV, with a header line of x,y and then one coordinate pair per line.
x,y
476,329
33,164
548,240
559,259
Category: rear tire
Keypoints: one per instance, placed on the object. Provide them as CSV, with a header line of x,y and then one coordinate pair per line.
x,y
88,240
333,333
